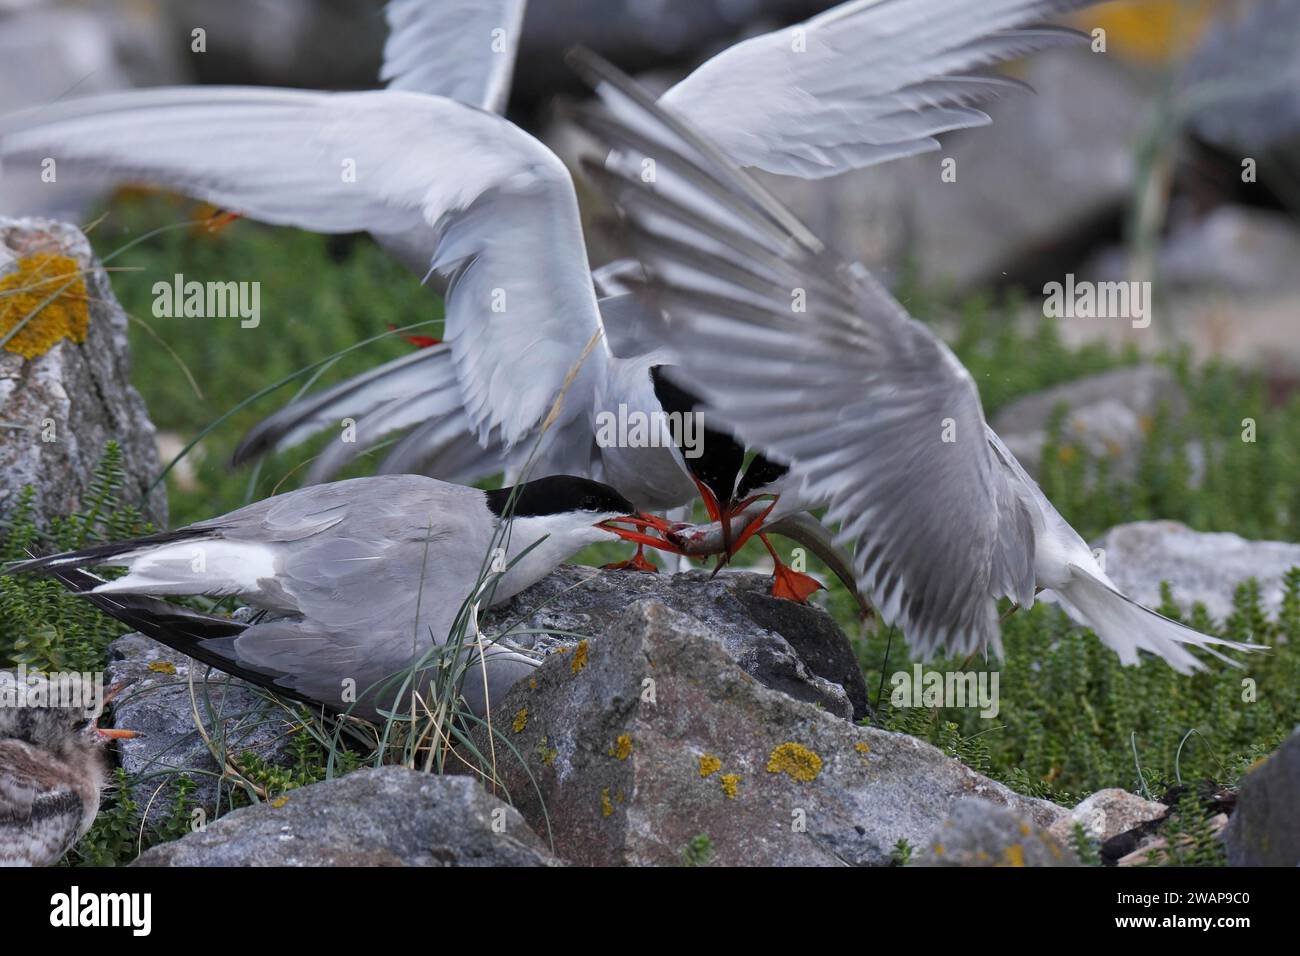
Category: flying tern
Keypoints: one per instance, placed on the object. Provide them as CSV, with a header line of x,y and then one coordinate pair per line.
x,y
876,418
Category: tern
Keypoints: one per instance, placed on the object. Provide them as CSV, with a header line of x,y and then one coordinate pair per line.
x,y
52,766
464,197
359,580
875,416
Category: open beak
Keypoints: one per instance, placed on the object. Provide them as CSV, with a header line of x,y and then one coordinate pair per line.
x,y
753,527
639,525
113,690
730,547
114,733
716,513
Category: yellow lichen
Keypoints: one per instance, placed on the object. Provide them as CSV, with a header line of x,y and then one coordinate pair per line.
x,y
49,288
579,656
730,783
546,751
709,765
532,683
278,802
1025,829
163,667
862,747
520,721
938,849
1015,855
606,806
797,761
622,747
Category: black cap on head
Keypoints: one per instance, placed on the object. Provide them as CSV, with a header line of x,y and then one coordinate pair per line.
x,y
760,473
559,494
721,456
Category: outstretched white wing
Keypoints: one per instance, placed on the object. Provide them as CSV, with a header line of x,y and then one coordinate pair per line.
x,y
808,358
461,49
456,190
865,82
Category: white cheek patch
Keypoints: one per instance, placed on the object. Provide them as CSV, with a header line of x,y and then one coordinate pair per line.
x,y
196,567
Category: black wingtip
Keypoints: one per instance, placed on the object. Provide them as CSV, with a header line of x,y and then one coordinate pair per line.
x,y
180,628
99,553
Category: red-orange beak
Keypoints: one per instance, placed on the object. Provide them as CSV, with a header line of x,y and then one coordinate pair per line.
x,y
753,527
116,733
641,523
716,513
730,547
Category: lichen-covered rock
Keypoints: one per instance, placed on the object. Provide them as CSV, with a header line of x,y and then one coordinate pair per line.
x,y
650,739
980,833
388,816
1106,814
786,646
1199,566
67,394
158,704
1265,829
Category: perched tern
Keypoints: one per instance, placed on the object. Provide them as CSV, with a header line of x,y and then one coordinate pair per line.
x,y
464,197
359,579
52,766
873,414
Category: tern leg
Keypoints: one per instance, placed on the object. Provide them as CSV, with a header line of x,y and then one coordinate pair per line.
x,y
786,581
638,562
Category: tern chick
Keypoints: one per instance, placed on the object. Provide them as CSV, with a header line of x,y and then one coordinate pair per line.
x,y
52,765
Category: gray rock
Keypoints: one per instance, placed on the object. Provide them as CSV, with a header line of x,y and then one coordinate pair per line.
x,y
1244,80
157,703
651,737
1052,165
980,833
388,816
1200,566
1107,814
1265,828
791,648
1235,248
1109,416
59,408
